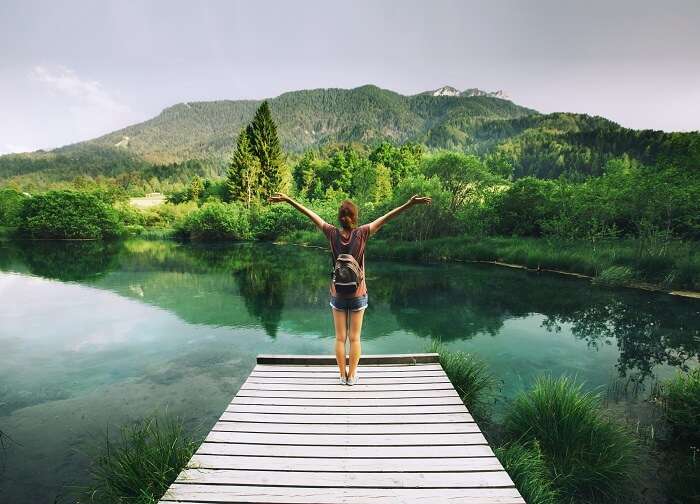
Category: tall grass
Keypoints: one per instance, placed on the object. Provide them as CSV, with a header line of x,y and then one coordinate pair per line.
x,y
469,375
140,466
680,398
590,456
528,470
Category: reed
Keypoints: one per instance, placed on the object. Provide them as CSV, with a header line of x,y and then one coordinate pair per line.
x,y
590,456
140,466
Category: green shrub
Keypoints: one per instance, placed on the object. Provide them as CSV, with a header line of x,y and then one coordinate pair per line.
x,y
615,276
68,215
591,456
680,398
11,202
527,468
469,375
141,465
269,222
216,221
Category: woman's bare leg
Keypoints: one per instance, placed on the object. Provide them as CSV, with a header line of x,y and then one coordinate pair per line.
x,y
341,335
355,345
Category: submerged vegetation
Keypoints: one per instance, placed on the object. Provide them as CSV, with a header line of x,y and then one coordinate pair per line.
x,y
140,466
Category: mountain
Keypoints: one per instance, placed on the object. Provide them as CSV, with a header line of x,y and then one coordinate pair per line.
x,y
485,123
305,119
451,91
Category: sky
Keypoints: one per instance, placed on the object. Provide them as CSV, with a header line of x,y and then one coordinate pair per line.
x,y
74,70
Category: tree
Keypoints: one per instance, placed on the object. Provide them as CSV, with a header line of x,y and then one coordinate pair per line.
x,y
243,176
463,175
265,145
196,188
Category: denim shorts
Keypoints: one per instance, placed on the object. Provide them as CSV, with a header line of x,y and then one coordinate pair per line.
x,y
352,304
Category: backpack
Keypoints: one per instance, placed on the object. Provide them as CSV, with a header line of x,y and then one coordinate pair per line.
x,y
347,274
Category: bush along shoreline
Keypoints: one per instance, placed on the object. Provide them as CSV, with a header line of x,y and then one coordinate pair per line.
x,y
73,215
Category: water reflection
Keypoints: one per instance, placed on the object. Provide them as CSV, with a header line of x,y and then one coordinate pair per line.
x,y
263,285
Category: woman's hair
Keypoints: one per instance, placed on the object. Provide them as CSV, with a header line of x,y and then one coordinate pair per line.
x,y
347,214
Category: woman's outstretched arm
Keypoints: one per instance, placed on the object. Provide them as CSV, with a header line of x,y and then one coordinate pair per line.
x,y
283,198
415,200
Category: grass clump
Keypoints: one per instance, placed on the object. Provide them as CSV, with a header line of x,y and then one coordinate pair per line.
x,y
528,470
590,457
615,276
469,375
140,466
680,398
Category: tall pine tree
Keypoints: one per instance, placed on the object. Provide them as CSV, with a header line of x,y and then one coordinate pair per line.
x,y
265,145
243,174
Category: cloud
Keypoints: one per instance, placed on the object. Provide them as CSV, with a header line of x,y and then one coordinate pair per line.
x,y
90,93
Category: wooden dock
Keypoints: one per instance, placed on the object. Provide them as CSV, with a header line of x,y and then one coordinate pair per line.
x,y
294,435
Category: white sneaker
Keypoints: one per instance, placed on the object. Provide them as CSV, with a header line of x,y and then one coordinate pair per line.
x,y
343,380
352,381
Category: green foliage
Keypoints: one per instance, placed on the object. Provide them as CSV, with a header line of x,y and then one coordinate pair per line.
x,y
589,456
527,468
680,397
523,207
270,222
243,179
68,215
11,202
265,146
469,375
215,221
462,175
140,466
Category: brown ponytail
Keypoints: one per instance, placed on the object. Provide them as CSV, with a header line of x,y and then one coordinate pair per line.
x,y
347,214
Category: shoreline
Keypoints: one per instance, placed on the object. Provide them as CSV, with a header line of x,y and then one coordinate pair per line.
x,y
645,286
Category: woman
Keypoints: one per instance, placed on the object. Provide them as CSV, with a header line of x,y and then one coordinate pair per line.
x,y
348,308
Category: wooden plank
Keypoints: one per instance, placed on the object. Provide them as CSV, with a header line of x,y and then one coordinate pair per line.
x,y
334,374
346,440
394,368
346,465
333,380
262,450
197,494
347,479
341,393
347,428
346,401
360,387
346,410
294,435
347,419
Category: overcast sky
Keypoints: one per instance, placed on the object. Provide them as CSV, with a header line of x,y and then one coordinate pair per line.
x,y
73,70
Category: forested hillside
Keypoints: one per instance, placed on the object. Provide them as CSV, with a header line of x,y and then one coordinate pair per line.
x,y
501,132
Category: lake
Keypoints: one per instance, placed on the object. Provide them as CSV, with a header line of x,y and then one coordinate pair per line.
x,y
95,335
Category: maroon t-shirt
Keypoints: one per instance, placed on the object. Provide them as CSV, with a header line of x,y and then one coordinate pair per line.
x,y
359,237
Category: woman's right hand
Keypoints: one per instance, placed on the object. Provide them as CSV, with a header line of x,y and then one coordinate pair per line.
x,y
420,200
278,198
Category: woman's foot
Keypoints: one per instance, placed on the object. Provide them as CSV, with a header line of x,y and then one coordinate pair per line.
x,y
343,380
352,380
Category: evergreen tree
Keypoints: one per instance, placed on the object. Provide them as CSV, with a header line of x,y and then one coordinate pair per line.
x,y
265,145
243,176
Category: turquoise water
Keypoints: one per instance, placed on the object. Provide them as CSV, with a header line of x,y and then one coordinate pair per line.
x,y
94,336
